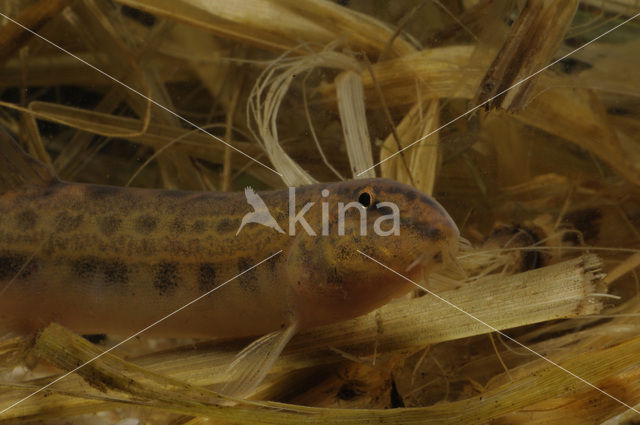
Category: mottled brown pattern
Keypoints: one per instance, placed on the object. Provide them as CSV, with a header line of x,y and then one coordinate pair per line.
x,y
165,278
249,279
85,268
207,277
26,219
177,225
143,253
145,223
109,225
91,269
10,264
226,225
198,226
115,272
66,222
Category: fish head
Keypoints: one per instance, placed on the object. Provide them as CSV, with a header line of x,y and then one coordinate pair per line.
x,y
381,235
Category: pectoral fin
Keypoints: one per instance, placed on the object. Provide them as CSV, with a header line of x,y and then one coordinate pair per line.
x,y
252,364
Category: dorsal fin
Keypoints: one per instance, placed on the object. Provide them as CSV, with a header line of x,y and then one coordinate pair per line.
x,y
19,169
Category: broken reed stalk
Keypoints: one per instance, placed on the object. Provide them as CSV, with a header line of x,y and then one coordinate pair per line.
x,y
559,291
529,47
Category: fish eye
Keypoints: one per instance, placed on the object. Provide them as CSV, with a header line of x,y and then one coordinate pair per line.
x,y
365,198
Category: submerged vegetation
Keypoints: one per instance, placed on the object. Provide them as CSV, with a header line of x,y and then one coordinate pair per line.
x,y
538,165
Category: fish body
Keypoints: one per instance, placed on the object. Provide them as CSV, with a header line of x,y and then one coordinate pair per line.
x,y
105,259
101,259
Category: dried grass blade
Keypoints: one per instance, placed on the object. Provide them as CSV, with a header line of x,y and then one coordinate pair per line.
x,y
354,123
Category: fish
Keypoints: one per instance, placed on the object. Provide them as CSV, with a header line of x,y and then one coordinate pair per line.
x,y
113,260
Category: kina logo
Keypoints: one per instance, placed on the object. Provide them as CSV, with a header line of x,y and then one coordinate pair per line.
x,y
260,214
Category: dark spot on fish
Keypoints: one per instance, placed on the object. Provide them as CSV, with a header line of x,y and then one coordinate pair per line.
x,y
249,279
425,199
31,266
11,264
384,210
434,233
90,268
177,225
26,219
85,268
272,263
206,277
438,257
109,225
165,278
145,224
115,272
68,222
198,226
424,230
225,225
